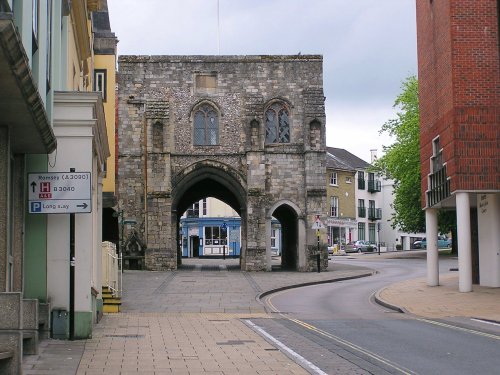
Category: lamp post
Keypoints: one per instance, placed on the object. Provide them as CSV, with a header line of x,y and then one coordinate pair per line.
x,y
378,237
224,234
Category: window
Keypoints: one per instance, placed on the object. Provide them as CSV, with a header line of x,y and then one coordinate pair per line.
x,y
437,155
334,206
194,211
213,236
273,238
361,209
371,232
206,126
333,178
204,206
361,180
439,183
361,231
371,203
277,124
100,82
348,180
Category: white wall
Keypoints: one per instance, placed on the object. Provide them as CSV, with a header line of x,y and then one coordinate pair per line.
x,y
75,126
488,209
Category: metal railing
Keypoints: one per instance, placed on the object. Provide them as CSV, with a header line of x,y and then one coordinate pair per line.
x,y
374,186
374,214
111,269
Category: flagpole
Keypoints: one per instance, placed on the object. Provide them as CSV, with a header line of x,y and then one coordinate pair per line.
x,y
218,29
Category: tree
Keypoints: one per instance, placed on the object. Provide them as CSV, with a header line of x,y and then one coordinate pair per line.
x,y
401,160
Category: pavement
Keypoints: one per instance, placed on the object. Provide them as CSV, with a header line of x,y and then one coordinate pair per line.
x,y
194,320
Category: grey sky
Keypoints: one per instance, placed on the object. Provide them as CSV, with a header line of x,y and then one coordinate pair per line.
x,y
368,46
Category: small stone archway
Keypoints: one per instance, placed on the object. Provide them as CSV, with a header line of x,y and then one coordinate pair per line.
x,y
207,178
293,231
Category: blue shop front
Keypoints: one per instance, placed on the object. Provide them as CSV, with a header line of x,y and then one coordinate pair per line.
x,y
210,237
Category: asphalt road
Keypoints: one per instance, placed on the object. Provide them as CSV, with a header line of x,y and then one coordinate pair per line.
x,y
341,330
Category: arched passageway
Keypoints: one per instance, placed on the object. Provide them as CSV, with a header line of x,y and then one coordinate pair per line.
x,y
290,239
202,182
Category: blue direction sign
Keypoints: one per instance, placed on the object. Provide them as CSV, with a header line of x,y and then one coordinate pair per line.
x,y
59,193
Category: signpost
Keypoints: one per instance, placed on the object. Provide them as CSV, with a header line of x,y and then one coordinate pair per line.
x,y
318,225
62,193
59,193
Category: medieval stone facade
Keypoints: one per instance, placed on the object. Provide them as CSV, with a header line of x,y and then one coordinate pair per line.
x,y
248,130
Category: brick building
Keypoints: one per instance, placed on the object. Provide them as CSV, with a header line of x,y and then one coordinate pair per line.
x,y
248,130
459,83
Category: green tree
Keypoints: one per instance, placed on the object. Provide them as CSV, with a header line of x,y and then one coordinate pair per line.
x,y
401,160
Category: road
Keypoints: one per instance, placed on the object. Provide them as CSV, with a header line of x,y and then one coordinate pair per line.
x,y
340,329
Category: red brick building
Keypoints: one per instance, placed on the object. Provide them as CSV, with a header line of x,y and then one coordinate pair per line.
x,y
459,83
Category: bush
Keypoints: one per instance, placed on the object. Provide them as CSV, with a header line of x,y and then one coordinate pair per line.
x,y
399,247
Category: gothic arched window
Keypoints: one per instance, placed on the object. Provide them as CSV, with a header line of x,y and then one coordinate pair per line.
x,y
277,123
206,126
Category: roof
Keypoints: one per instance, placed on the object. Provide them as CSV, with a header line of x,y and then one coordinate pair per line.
x,y
333,162
346,158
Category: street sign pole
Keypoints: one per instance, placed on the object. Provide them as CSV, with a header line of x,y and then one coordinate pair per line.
x,y
72,273
318,225
318,258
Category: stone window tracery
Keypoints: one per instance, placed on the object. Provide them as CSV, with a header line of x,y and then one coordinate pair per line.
x,y
206,126
277,123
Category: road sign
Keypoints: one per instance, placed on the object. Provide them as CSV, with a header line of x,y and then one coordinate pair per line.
x,y
59,193
318,224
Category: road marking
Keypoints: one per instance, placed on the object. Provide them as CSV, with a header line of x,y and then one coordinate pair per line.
x,y
489,335
303,362
485,321
339,340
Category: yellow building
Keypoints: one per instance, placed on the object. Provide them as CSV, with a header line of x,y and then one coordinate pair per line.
x,y
341,202
104,81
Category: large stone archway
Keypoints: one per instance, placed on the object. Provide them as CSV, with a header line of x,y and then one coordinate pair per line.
x,y
247,130
213,179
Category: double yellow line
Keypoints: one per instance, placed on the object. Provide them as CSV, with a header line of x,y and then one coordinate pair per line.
x,y
468,330
341,341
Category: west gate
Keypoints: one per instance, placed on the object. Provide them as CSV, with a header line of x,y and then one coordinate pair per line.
x,y
248,130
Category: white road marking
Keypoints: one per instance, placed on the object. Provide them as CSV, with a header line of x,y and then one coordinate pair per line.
x,y
303,362
485,322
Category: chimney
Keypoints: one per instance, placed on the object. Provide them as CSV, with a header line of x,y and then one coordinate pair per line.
x,y
373,155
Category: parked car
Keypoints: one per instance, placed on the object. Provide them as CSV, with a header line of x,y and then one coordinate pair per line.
x,y
417,244
443,243
359,246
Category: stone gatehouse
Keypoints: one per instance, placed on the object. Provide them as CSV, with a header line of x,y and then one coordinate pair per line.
x,y
248,130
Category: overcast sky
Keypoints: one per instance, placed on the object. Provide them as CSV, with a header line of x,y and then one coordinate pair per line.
x,y
368,47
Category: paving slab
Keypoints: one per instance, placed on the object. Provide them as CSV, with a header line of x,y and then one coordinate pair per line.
x,y
191,321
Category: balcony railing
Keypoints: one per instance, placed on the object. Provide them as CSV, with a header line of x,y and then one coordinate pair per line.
x,y
374,214
361,211
439,187
374,186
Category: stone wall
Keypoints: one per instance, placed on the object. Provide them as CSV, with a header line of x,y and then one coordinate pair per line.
x,y
158,96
